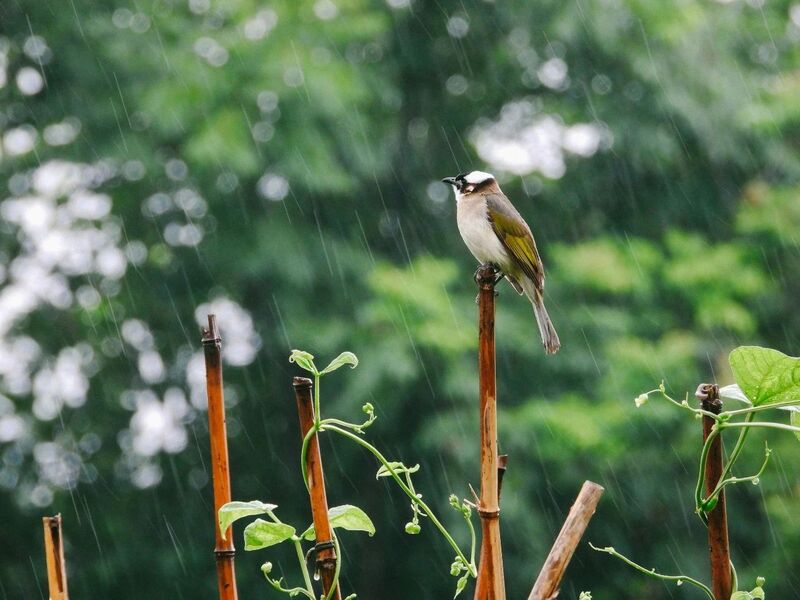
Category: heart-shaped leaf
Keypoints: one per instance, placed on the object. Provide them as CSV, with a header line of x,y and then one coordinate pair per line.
x,y
345,358
766,376
261,534
347,517
232,511
304,360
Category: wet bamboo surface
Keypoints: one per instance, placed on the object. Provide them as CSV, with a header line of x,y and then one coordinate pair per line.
x,y
718,544
490,583
546,586
54,553
325,550
220,471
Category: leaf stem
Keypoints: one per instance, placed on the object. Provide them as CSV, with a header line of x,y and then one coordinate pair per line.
x,y
652,572
759,408
303,566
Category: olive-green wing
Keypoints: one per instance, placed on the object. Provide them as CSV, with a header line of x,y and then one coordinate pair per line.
x,y
516,236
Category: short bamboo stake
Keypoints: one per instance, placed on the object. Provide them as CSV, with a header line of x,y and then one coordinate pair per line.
x,y
718,545
223,549
54,553
490,583
549,580
325,549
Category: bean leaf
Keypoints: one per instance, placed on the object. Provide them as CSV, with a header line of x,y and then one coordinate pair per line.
x,y
347,517
766,376
232,511
345,358
304,360
261,534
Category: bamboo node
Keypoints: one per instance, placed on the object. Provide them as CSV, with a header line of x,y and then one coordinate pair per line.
x,y
225,553
489,514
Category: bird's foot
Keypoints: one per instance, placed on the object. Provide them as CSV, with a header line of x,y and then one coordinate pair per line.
x,y
488,274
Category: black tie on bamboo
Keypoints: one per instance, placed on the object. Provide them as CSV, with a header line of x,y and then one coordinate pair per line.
x,y
490,584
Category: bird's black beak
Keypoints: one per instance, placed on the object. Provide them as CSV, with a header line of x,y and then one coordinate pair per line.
x,y
450,181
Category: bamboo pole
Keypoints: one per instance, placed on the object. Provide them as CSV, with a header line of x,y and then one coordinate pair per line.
x,y
54,553
549,579
490,583
325,550
223,549
718,545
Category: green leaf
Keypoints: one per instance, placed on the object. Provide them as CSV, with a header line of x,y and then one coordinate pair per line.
x,y
232,511
397,467
304,360
794,419
347,517
345,358
261,534
766,376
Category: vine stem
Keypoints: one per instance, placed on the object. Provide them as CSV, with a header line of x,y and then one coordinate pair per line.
x,y
759,408
652,572
300,556
303,566
421,503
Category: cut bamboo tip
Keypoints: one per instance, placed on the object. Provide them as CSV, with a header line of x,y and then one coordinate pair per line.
x,y
54,554
210,335
549,579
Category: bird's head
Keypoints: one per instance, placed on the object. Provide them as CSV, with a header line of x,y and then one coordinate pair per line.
x,y
467,183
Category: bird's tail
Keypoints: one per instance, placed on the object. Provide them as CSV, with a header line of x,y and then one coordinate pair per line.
x,y
546,330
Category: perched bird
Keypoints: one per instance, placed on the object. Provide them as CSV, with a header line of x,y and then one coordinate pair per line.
x,y
497,234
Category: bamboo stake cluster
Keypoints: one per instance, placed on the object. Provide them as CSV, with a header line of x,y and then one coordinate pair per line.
x,y
223,549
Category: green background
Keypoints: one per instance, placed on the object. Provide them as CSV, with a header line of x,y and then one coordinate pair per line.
x,y
285,156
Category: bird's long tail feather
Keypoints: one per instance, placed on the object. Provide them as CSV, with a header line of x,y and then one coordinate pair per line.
x,y
546,330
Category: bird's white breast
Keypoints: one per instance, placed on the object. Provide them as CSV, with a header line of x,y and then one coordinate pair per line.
x,y
477,232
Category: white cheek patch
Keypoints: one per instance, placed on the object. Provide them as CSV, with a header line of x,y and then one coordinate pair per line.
x,y
478,177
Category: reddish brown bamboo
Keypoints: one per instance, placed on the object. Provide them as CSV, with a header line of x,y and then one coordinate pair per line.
x,y
490,584
325,550
549,579
223,548
718,545
54,553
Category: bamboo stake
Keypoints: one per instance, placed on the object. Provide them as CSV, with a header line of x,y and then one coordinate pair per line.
x,y
325,550
546,586
54,553
223,549
490,584
718,545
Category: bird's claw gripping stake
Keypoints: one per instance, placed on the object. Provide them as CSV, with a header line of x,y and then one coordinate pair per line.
x,y
488,274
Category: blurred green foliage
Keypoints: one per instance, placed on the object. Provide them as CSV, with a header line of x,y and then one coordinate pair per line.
x,y
314,134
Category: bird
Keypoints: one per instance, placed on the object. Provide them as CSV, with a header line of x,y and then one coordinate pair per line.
x,y
495,233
